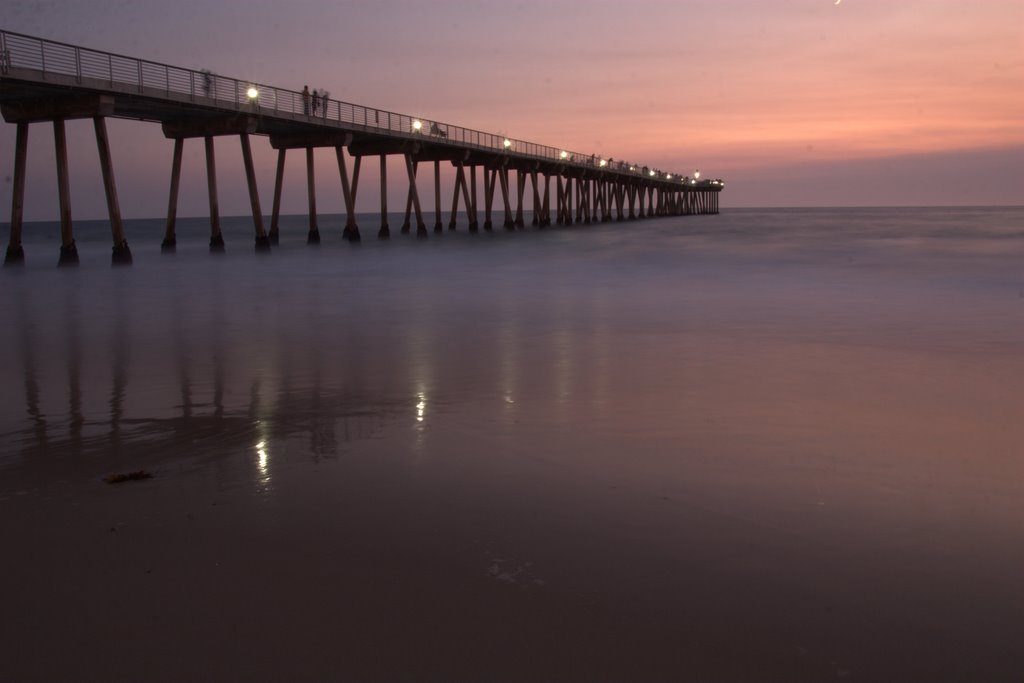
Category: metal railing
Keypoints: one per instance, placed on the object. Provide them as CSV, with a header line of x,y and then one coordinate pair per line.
x,y
153,79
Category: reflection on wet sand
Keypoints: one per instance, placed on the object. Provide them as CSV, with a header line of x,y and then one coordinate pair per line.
x,y
156,409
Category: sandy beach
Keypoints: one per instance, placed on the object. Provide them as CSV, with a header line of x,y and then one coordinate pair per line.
x,y
542,457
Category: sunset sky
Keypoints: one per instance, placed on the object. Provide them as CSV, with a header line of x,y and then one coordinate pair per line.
x,y
791,102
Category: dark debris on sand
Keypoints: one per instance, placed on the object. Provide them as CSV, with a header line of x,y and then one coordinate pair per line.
x,y
127,476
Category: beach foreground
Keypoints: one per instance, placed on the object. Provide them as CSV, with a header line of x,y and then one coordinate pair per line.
x,y
776,446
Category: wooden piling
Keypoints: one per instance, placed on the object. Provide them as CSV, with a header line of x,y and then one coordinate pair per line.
x,y
122,255
520,192
535,220
459,179
414,195
170,235
15,252
473,225
568,201
275,212
509,223
68,250
262,241
385,231
545,203
216,239
351,231
559,201
438,227
490,177
313,236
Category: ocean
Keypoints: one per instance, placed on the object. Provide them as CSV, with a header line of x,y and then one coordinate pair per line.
x,y
767,445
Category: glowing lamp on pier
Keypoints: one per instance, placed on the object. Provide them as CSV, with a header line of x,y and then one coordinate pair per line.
x,y
603,163
653,173
417,125
696,174
632,168
563,155
252,93
506,143
668,176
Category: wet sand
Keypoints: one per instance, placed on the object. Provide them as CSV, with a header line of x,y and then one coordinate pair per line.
x,y
800,471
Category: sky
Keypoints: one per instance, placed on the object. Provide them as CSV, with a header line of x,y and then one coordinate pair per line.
x,y
790,102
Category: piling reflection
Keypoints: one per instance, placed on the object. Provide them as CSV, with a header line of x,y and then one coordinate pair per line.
x,y
36,431
183,381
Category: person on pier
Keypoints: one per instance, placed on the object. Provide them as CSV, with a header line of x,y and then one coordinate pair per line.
x,y
305,100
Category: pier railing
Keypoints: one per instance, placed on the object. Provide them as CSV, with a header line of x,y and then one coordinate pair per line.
x,y
118,72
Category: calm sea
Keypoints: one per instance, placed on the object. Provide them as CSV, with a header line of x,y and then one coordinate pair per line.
x,y
795,436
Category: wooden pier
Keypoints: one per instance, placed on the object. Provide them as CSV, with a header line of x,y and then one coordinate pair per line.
x,y
45,81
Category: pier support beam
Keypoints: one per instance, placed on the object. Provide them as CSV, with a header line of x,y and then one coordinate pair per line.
x,y
545,204
15,252
461,185
438,226
262,241
414,196
313,236
455,197
170,236
520,191
68,250
216,239
536,199
122,255
351,232
474,226
503,178
275,211
385,231
559,201
568,201
490,177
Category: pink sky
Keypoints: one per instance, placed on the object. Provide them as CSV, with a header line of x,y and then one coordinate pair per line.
x,y
793,103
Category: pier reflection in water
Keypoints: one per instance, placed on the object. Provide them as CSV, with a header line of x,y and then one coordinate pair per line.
x,y
125,368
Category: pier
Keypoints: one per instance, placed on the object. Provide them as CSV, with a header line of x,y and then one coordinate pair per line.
x,y
43,81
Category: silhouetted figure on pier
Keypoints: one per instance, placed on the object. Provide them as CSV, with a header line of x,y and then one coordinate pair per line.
x,y
316,102
436,130
207,82
305,100
323,103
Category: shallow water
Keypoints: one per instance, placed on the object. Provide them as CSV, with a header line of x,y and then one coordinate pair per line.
x,y
764,445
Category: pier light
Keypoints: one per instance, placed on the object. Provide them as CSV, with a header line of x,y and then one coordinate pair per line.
x,y
506,143
653,173
603,163
252,92
417,125
693,182
696,174
668,176
632,168
563,155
